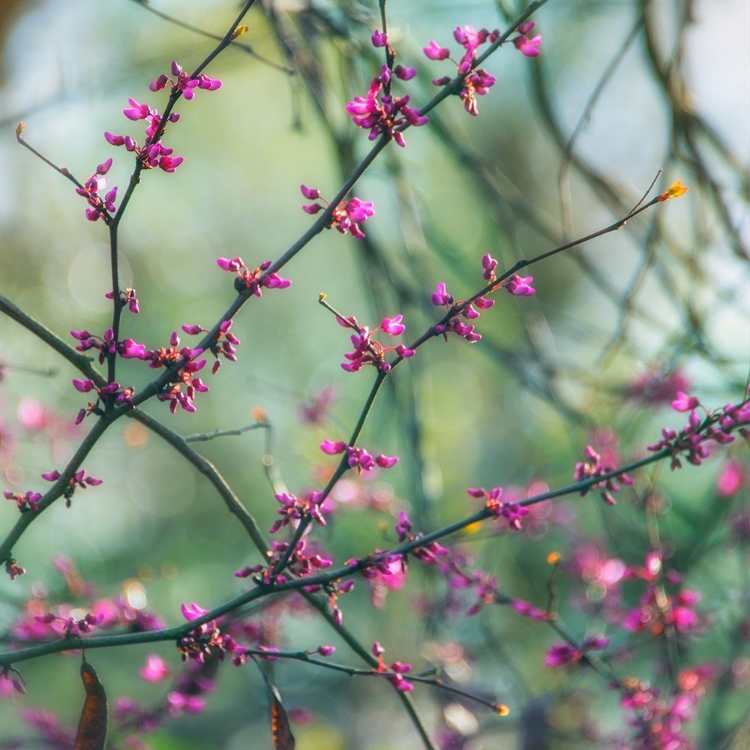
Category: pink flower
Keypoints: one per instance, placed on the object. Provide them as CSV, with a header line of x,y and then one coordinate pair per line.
x,y
731,479
379,39
520,286
332,448
393,326
138,111
440,296
192,611
155,669
683,402
526,46
435,52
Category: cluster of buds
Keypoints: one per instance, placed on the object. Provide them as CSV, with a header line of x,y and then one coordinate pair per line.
x,y
427,553
183,385
346,217
594,466
107,346
658,721
394,672
79,480
127,298
120,394
516,285
562,654
224,345
476,81
67,626
184,83
153,153
379,111
368,351
253,280
692,442
25,502
207,639
358,458
305,560
510,510
99,206
295,508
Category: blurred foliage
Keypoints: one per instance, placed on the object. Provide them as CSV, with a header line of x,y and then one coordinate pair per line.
x,y
565,144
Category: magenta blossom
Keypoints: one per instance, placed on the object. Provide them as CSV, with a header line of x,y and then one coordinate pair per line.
x,y
253,280
520,286
346,217
683,402
384,114
526,46
369,351
155,669
435,52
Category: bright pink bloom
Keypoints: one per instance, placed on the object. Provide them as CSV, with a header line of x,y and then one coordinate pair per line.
x,y
435,52
155,669
683,402
520,286
393,326
526,46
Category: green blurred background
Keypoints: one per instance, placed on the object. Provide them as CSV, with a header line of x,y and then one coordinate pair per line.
x,y
668,292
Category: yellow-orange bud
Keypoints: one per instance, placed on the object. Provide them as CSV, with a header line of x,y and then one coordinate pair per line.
x,y
674,191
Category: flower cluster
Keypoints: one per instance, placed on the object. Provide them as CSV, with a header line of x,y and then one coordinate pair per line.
x,y
659,722
394,672
224,345
207,639
346,217
427,553
183,385
99,207
79,480
305,560
516,285
379,111
476,81
153,153
120,394
43,621
358,457
526,46
658,609
385,573
107,346
369,351
184,83
594,466
26,502
510,510
67,626
295,508
187,697
253,280
562,654
127,298
691,442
